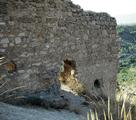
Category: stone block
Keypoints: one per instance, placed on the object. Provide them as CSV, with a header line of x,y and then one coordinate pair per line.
x,y
5,45
21,34
2,50
17,40
4,41
11,44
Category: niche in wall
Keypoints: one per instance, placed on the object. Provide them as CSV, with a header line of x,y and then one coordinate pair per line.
x,y
97,83
68,71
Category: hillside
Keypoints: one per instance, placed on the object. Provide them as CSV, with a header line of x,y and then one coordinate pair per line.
x,y
128,45
127,62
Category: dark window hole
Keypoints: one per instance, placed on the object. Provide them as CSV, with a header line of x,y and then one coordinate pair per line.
x,y
70,63
97,83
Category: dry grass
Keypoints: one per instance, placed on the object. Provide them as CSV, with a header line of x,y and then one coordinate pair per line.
x,y
5,94
76,86
71,81
110,110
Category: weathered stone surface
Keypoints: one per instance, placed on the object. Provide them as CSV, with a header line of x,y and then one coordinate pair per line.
x,y
9,112
4,41
17,40
47,32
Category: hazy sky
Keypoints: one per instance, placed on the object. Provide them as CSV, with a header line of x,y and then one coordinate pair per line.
x,y
123,10
113,7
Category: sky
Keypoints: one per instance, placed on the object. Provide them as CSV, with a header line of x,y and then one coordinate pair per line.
x,y
117,8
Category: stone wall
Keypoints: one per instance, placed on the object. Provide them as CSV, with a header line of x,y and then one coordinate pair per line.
x,y
39,34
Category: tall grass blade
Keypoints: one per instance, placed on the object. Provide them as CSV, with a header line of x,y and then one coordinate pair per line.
x,y
11,90
88,116
96,115
111,117
92,116
104,113
118,111
129,116
109,108
125,114
123,107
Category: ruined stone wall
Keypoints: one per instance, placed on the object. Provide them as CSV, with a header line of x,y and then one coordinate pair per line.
x,y
39,34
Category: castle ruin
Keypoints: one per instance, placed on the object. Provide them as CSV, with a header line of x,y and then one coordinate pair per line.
x,y
40,35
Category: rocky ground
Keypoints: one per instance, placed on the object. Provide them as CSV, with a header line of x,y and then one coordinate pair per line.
x,y
9,112
76,110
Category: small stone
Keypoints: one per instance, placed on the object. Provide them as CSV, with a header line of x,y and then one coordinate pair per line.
x,y
69,13
73,47
5,45
29,71
34,44
11,23
85,37
21,34
5,40
11,44
25,76
17,40
95,46
24,55
93,22
43,52
2,23
47,46
2,50
21,71
24,46
36,64
1,35
104,32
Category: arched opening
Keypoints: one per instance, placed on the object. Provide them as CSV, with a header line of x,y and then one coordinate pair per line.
x,y
97,83
68,77
68,69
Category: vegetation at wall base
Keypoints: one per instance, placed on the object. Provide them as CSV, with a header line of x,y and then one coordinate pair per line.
x,y
110,110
